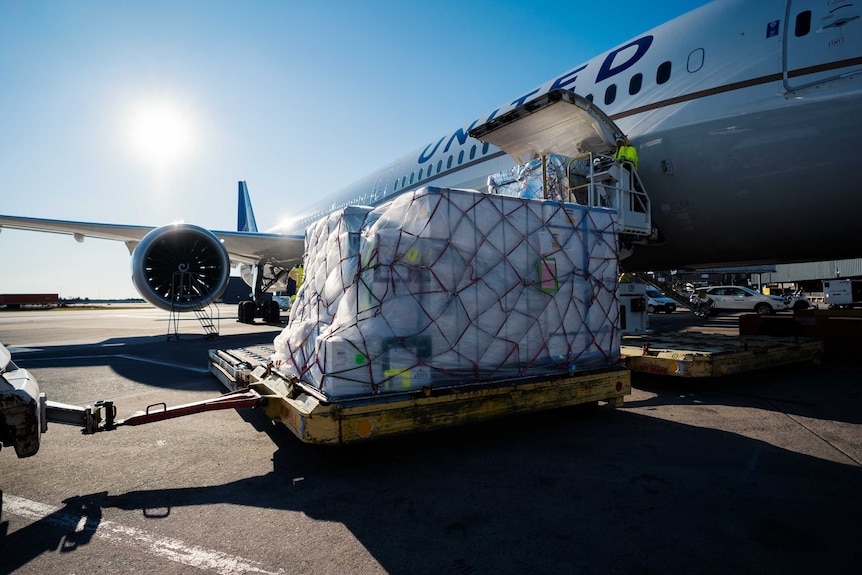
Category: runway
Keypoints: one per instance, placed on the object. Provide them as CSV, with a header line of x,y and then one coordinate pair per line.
x,y
758,473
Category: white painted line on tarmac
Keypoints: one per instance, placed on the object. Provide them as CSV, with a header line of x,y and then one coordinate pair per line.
x,y
165,363
164,547
121,356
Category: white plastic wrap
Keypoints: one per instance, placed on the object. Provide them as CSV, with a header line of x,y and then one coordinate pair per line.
x,y
446,287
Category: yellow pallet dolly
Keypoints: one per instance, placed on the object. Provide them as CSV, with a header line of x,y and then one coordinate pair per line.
x,y
693,354
314,420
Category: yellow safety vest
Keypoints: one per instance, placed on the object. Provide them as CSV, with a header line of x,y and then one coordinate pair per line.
x,y
627,153
297,274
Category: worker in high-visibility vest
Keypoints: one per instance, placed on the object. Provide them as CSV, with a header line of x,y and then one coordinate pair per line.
x,y
294,280
625,152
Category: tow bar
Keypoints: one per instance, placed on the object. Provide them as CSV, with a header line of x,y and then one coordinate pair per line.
x,y
102,415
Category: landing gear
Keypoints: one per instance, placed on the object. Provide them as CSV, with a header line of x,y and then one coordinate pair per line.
x,y
272,313
245,312
265,279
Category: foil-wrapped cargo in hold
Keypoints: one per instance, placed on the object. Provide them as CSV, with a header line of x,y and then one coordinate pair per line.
x,y
526,181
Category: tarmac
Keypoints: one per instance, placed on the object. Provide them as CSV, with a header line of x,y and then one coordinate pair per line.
x,y
754,473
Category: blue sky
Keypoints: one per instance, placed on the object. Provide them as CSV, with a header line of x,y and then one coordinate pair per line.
x,y
297,98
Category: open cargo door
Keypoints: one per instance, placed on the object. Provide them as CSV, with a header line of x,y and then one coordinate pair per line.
x,y
565,145
559,122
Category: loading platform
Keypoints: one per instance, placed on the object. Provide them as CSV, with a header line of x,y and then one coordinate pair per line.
x,y
315,420
698,355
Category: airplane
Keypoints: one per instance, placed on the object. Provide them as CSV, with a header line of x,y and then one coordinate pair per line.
x,y
744,114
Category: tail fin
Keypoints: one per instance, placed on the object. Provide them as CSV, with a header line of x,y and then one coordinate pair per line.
x,y
245,215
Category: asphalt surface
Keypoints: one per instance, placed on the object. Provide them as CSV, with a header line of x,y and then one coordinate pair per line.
x,y
758,473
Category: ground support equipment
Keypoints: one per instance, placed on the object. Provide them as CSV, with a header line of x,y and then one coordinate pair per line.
x,y
693,354
315,420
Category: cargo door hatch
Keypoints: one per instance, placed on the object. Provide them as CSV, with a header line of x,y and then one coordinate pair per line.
x,y
575,141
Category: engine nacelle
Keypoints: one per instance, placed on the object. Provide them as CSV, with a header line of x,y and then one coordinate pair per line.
x,y
180,267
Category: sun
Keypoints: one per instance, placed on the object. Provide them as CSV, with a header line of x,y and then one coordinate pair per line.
x,y
160,132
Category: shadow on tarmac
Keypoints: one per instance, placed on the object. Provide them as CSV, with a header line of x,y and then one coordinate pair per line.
x,y
554,492
786,389
546,493
131,358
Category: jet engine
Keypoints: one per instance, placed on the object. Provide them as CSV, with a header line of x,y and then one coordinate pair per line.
x,y
180,267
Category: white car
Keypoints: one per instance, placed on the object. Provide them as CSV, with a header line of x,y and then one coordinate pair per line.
x,y
657,301
738,298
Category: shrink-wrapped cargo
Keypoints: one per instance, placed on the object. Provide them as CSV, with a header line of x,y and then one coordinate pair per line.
x,y
447,287
526,181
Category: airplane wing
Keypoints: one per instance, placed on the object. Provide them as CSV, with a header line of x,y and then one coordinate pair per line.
x,y
131,235
244,247
261,247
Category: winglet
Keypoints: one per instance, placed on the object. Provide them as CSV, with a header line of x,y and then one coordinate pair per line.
x,y
245,215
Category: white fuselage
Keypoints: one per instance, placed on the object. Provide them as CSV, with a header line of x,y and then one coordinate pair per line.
x,y
744,115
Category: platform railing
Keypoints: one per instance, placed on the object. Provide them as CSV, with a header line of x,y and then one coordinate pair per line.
x,y
598,180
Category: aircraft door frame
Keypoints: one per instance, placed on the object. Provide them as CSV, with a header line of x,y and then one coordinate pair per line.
x,y
833,35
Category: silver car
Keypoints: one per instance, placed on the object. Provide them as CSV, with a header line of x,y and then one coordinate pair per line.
x,y
738,298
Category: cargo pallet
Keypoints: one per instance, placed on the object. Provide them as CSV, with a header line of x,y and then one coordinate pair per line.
x,y
693,354
315,420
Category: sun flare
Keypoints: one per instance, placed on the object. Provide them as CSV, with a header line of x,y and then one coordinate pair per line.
x,y
161,133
